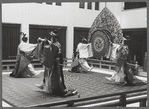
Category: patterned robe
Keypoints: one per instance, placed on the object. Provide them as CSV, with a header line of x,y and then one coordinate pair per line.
x,y
51,57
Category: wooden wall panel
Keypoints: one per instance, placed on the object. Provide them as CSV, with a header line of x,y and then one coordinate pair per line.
x,y
10,40
36,31
137,43
78,32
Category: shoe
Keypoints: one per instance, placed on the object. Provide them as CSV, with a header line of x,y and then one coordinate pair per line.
x,y
27,76
108,78
123,83
90,68
144,81
74,92
41,85
69,70
36,74
120,83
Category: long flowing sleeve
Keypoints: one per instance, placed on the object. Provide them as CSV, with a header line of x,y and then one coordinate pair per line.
x,y
25,47
45,53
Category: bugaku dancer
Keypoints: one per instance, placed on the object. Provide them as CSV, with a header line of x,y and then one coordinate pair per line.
x,y
50,55
25,53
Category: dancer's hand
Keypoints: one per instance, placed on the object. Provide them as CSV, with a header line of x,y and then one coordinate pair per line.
x,y
40,39
110,42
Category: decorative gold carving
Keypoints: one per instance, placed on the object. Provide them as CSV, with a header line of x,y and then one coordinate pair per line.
x,y
107,20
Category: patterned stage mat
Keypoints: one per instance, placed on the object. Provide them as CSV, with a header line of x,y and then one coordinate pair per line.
x,y
22,92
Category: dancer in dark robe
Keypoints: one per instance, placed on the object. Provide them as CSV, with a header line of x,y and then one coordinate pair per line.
x,y
53,74
25,54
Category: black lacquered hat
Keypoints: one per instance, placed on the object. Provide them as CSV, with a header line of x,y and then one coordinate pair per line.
x,y
54,32
22,33
24,38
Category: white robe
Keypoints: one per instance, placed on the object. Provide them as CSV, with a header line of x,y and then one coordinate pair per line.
x,y
85,50
120,76
115,47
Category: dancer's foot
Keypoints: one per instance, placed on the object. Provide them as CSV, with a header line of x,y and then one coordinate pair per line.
x,y
71,93
41,85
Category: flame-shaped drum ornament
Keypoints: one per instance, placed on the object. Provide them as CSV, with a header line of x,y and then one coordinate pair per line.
x,y
105,29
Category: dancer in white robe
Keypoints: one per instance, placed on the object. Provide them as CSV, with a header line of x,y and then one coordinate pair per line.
x,y
23,67
84,51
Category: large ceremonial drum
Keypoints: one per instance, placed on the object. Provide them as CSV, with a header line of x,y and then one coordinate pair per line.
x,y
100,43
105,29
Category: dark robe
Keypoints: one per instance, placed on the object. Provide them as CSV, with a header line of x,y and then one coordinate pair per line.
x,y
75,66
57,77
52,59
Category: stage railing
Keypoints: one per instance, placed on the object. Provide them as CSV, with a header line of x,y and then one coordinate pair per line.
x,y
121,99
8,65
101,64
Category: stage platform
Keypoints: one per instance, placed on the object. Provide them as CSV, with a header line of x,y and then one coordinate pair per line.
x,y
22,92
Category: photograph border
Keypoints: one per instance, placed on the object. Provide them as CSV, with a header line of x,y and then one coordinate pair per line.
x,y
20,1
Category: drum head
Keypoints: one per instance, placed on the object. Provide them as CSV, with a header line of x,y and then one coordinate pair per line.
x,y
100,43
